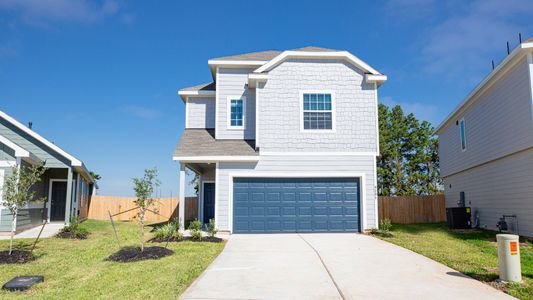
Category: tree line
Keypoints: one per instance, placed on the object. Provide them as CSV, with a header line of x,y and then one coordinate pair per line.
x,y
409,161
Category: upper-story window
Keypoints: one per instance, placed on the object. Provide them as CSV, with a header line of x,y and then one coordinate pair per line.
x,y
463,134
236,109
317,111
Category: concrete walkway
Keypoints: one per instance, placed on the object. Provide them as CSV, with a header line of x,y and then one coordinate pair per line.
x,y
329,266
50,230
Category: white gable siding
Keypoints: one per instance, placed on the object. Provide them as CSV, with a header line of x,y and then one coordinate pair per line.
x,y
500,187
280,112
497,124
233,82
301,164
200,112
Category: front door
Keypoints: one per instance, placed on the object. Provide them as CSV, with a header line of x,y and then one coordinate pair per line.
x,y
58,200
209,201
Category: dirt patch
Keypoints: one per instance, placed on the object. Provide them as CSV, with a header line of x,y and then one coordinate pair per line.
x,y
17,257
190,239
72,235
130,254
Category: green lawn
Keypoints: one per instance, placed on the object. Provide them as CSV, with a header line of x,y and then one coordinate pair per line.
x,y
76,269
473,253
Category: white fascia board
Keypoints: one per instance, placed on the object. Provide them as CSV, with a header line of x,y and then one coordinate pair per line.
x,y
215,158
261,153
236,62
185,94
345,55
74,161
19,151
379,79
254,78
484,83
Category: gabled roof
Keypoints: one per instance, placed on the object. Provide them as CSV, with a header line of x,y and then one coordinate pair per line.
x,y
201,90
252,56
78,164
519,52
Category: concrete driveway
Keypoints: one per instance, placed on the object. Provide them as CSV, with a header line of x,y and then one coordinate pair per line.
x,y
329,266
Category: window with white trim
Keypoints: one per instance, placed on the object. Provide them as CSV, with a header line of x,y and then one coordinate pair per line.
x,y
317,111
463,134
236,109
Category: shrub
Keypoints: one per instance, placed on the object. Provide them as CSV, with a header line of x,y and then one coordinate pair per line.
x,y
73,230
211,228
164,232
195,227
385,225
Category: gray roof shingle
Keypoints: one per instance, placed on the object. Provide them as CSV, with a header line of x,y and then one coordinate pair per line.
x,y
201,87
270,54
202,142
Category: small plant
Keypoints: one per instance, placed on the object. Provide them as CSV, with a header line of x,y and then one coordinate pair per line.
x,y
212,228
164,232
178,234
73,230
195,227
145,188
385,225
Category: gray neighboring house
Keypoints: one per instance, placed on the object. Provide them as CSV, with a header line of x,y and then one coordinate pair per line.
x,y
486,145
67,185
284,141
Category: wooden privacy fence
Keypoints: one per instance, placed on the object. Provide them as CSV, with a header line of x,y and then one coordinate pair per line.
x,y
412,209
124,209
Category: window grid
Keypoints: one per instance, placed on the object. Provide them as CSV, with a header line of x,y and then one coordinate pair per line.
x,y
317,111
236,118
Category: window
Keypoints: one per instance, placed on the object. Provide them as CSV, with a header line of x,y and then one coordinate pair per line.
x,y
236,108
317,111
463,134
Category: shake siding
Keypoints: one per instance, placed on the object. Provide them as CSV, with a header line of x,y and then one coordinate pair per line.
x,y
500,187
53,160
200,112
233,82
276,164
497,124
280,111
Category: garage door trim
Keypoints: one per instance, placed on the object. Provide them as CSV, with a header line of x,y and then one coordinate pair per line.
x,y
255,174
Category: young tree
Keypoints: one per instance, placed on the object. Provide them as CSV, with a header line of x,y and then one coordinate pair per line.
x,y
19,191
145,188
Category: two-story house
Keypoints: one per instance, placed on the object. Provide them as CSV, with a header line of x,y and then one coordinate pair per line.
x,y
486,146
284,142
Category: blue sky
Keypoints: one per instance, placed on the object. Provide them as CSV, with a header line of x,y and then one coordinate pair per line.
x,y
99,78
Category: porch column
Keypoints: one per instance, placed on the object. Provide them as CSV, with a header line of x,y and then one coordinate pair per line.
x,y
68,203
181,206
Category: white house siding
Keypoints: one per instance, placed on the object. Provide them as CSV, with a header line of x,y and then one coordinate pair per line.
x,y
500,187
295,164
233,82
280,111
200,112
497,124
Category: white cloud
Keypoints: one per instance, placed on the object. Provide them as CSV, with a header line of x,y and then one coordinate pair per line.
x,y
142,112
422,111
40,12
465,42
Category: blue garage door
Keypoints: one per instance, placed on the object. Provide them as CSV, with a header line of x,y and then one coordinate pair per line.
x,y
267,205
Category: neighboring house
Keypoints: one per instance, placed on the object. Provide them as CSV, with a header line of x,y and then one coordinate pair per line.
x,y
284,142
486,145
66,184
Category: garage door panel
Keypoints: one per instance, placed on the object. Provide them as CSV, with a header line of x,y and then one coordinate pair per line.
x,y
296,205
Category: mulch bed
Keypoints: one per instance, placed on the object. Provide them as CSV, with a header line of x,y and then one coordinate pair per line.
x,y
72,235
17,257
130,254
190,239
